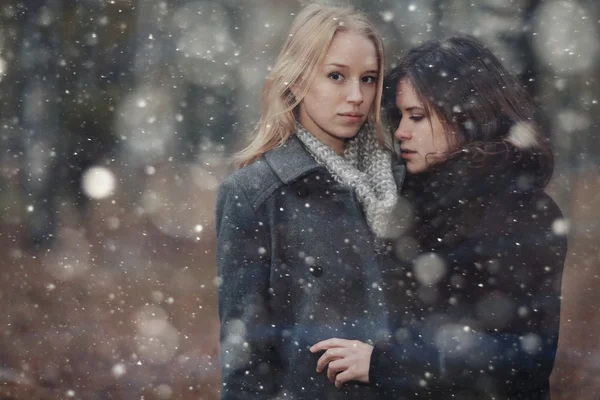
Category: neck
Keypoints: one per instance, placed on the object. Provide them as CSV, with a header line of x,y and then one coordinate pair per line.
x,y
337,144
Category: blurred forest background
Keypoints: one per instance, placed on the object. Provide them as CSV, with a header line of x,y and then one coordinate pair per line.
x,y
117,118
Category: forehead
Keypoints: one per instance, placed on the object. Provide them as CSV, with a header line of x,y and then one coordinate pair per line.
x,y
352,50
406,96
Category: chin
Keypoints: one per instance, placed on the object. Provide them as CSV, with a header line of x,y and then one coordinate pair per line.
x,y
346,134
415,169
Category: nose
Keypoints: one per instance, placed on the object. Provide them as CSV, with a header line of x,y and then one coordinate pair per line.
x,y
402,133
355,95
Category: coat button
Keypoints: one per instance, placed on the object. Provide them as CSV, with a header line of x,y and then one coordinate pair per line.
x,y
302,191
316,271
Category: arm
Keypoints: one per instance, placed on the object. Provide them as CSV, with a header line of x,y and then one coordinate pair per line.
x,y
249,362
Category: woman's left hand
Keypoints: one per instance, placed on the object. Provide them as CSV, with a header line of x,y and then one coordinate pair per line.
x,y
346,360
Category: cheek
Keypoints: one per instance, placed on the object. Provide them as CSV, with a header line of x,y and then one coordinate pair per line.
x,y
440,138
319,92
317,101
370,95
441,142
327,96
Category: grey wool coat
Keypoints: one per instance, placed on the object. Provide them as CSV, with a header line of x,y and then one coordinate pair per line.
x,y
296,265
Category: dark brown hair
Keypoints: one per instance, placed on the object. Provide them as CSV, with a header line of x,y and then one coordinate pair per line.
x,y
476,98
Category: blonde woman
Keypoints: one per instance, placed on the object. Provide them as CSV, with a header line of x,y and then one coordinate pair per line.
x,y
301,227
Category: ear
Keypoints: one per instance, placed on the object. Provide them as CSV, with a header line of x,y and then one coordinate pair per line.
x,y
294,89
298,86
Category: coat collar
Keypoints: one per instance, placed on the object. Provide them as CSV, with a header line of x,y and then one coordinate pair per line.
x,y
291,160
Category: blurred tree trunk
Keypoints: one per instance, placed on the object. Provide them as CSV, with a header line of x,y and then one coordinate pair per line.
x,y
39,115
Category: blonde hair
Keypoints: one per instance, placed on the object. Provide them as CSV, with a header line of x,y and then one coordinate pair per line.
x,y
303,52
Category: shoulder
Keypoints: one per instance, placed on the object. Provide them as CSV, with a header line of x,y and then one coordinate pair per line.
x,y
535,206
282,165
533,218
253,182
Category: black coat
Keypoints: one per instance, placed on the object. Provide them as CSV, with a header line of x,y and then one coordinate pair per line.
x,y
476,298
296,265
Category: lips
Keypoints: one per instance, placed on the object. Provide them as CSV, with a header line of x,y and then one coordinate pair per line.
x,y
352,114
407,153
352,118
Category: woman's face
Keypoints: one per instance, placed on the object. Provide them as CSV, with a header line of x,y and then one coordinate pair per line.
x,y
341,95
422,137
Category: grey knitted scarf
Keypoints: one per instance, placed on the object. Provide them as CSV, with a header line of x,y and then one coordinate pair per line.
x,y
367,168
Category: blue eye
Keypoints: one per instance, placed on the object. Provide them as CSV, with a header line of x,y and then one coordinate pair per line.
x,y
336,76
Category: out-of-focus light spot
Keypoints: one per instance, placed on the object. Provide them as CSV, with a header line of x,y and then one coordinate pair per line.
x,y
522,135
3,67
429,268
98,183
210,61
531,343
387,15
402,335
566,39
179,199
523,312
160,347
151,320
572,121
399,220
163,391
236,330
157,296
406,248
560,227
454,340
113,223
217,281
118,370
146,124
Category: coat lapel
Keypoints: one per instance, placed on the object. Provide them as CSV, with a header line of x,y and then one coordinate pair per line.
x,y
291,160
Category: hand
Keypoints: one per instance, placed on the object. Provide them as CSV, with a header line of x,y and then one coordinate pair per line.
x,y
346,360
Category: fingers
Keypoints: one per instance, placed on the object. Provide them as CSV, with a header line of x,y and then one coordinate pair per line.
x,y
343,377
330,343
330,355
336,367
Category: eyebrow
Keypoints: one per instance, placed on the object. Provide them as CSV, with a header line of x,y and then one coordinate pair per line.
x,y
371,71
412,108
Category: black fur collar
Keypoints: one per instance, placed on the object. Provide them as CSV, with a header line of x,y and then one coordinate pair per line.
x,y
449,201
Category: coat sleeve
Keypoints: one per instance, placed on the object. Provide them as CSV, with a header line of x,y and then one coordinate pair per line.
x,y
521,353
249,361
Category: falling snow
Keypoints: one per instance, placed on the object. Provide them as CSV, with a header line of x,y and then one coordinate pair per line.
x,y
118,123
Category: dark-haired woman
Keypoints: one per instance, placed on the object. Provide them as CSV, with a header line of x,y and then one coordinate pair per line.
x,y
476,295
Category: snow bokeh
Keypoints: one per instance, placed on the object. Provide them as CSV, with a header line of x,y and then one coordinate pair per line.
x,y
118,122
